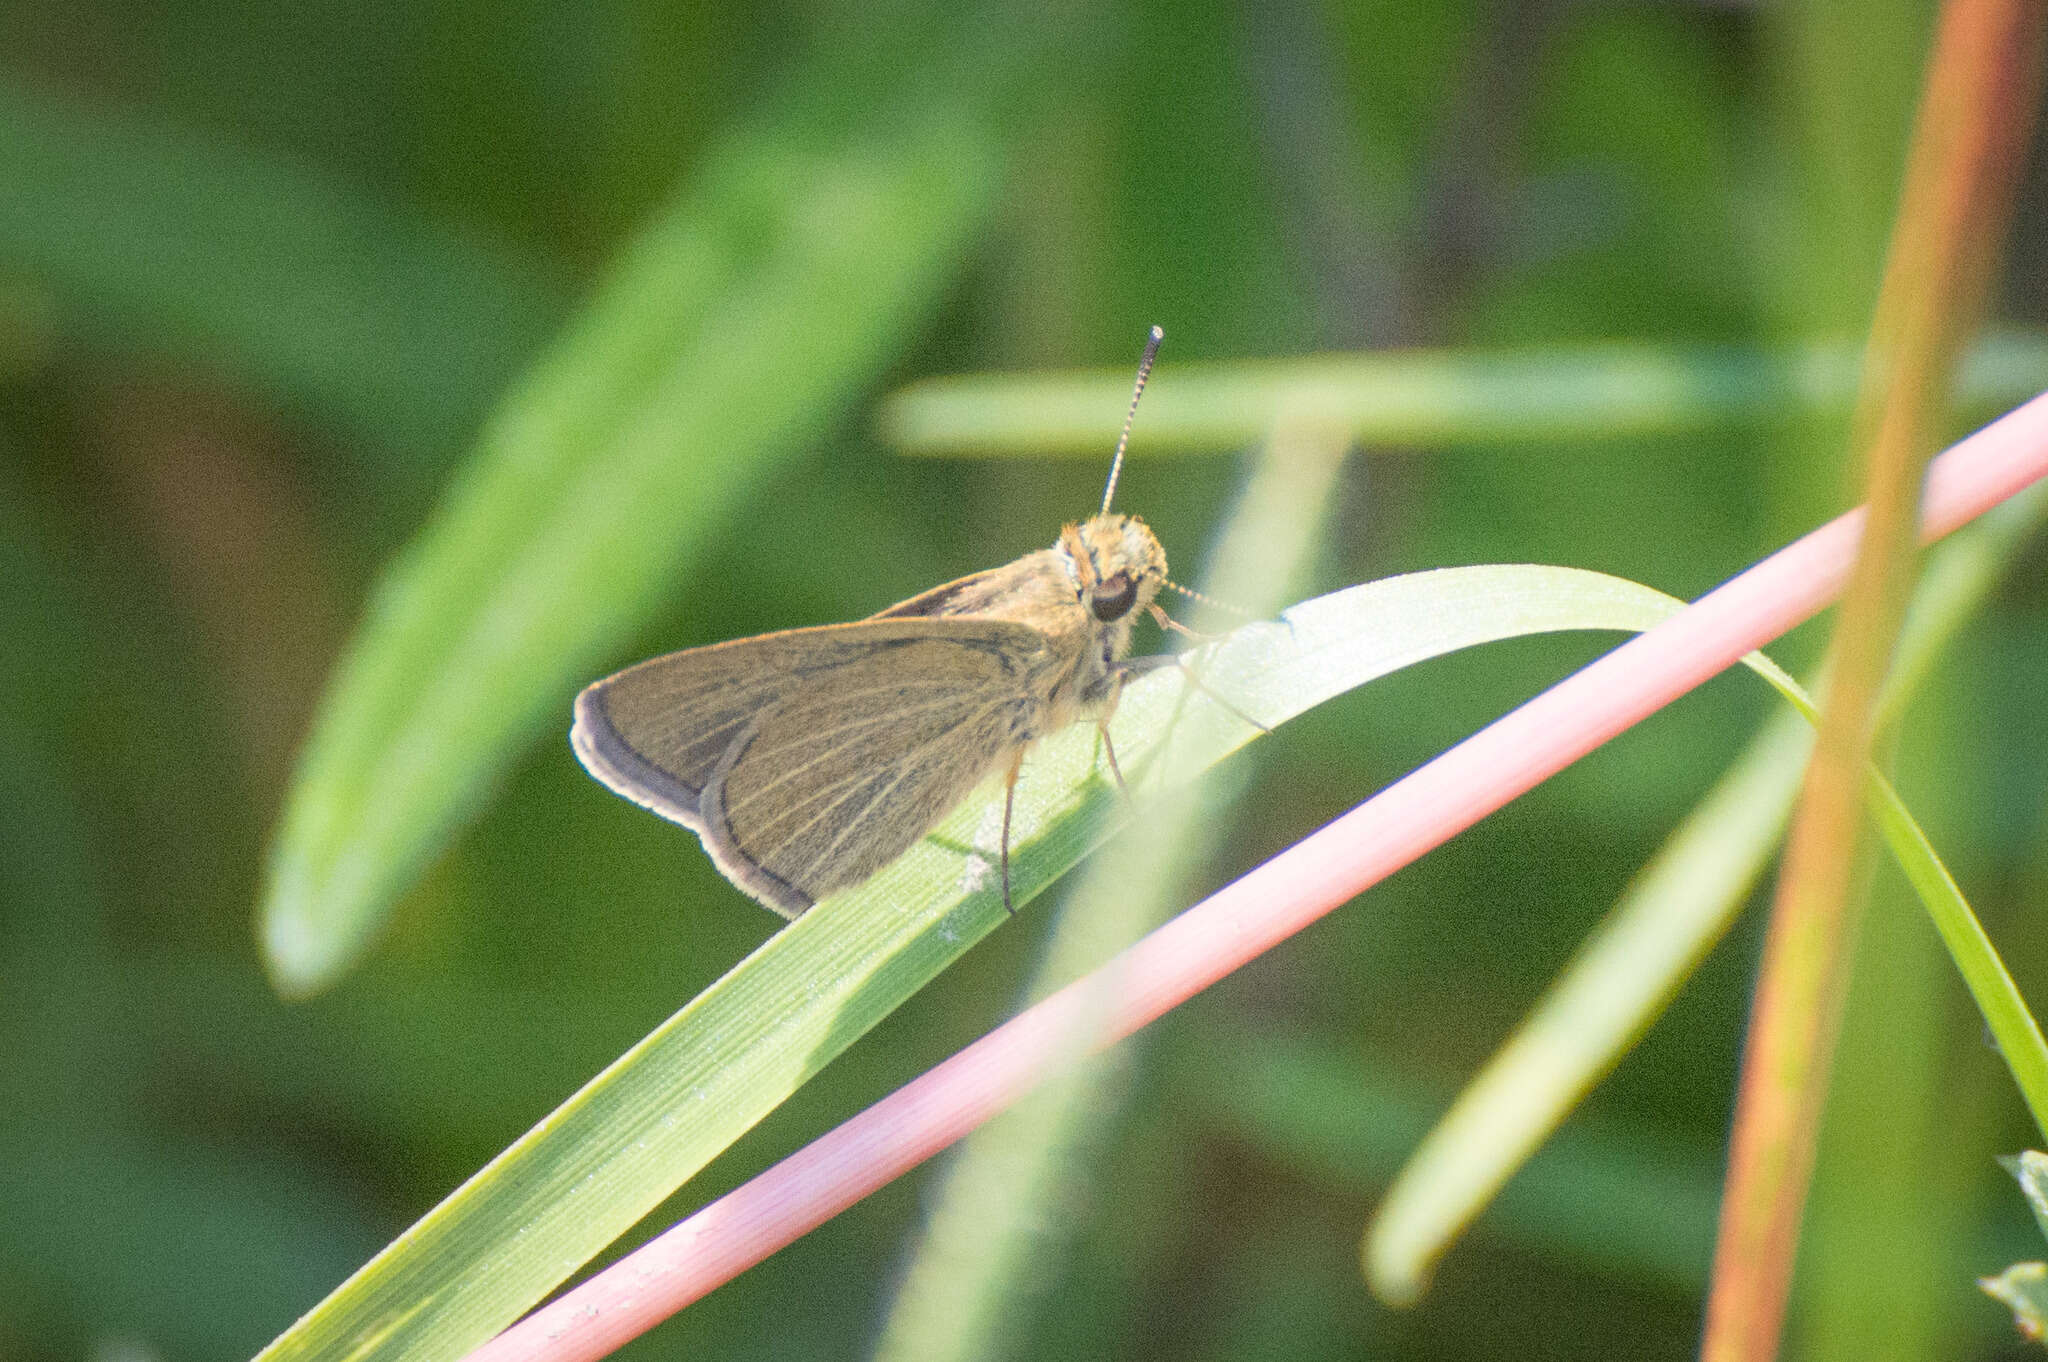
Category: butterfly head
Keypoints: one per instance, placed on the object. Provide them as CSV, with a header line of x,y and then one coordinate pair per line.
x,y
1115,563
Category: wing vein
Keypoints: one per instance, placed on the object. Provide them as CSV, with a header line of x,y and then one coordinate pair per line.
x,y
838,793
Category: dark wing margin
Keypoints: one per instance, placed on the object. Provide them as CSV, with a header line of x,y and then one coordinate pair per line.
x,y
607,755
654,732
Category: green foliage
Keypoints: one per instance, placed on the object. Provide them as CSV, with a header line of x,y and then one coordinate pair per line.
x,y
673,1102
372,376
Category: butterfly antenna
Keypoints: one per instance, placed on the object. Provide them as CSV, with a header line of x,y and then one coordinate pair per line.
x,y
1116,464
1225,606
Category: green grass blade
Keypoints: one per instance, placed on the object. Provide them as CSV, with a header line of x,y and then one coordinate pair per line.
x,y
2013,1028
1421,398
1666,921
995,1230
731,332
664,1109
1621,1199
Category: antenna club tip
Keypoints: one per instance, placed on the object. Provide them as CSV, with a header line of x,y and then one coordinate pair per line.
x,y
1158,334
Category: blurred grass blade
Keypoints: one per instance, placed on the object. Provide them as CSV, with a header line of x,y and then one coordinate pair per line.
x,y
1431,398
729,334
665,1108
279,276
995,1231
1673,913
1623,1199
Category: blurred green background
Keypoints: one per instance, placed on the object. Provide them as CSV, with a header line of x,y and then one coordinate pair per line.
x,y
269,276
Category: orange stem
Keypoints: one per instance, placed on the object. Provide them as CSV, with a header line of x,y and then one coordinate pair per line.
x,y
1963,164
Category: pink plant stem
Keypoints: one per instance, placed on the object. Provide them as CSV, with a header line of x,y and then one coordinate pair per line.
x,y
1245,918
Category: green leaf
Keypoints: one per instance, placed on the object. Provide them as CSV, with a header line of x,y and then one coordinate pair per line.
x,y
665,1108
727,336
1422,398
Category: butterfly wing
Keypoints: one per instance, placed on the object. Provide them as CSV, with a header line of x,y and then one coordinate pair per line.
x,y
973,594
655,731
809,759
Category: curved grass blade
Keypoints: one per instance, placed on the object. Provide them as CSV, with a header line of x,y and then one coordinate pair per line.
x,y
2013,1028
726,336
1666,921
664,1109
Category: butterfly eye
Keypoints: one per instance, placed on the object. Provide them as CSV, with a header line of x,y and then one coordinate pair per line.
x,y
1113,599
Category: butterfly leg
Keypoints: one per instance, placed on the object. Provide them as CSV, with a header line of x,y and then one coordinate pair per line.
x,y
1009,802
1166,621
1116,690
1131,666
1194,678
1109,751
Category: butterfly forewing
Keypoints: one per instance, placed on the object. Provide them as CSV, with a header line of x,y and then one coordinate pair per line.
x,y
768,746
656,731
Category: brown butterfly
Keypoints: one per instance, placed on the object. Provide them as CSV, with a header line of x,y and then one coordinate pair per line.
x,y
808,759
